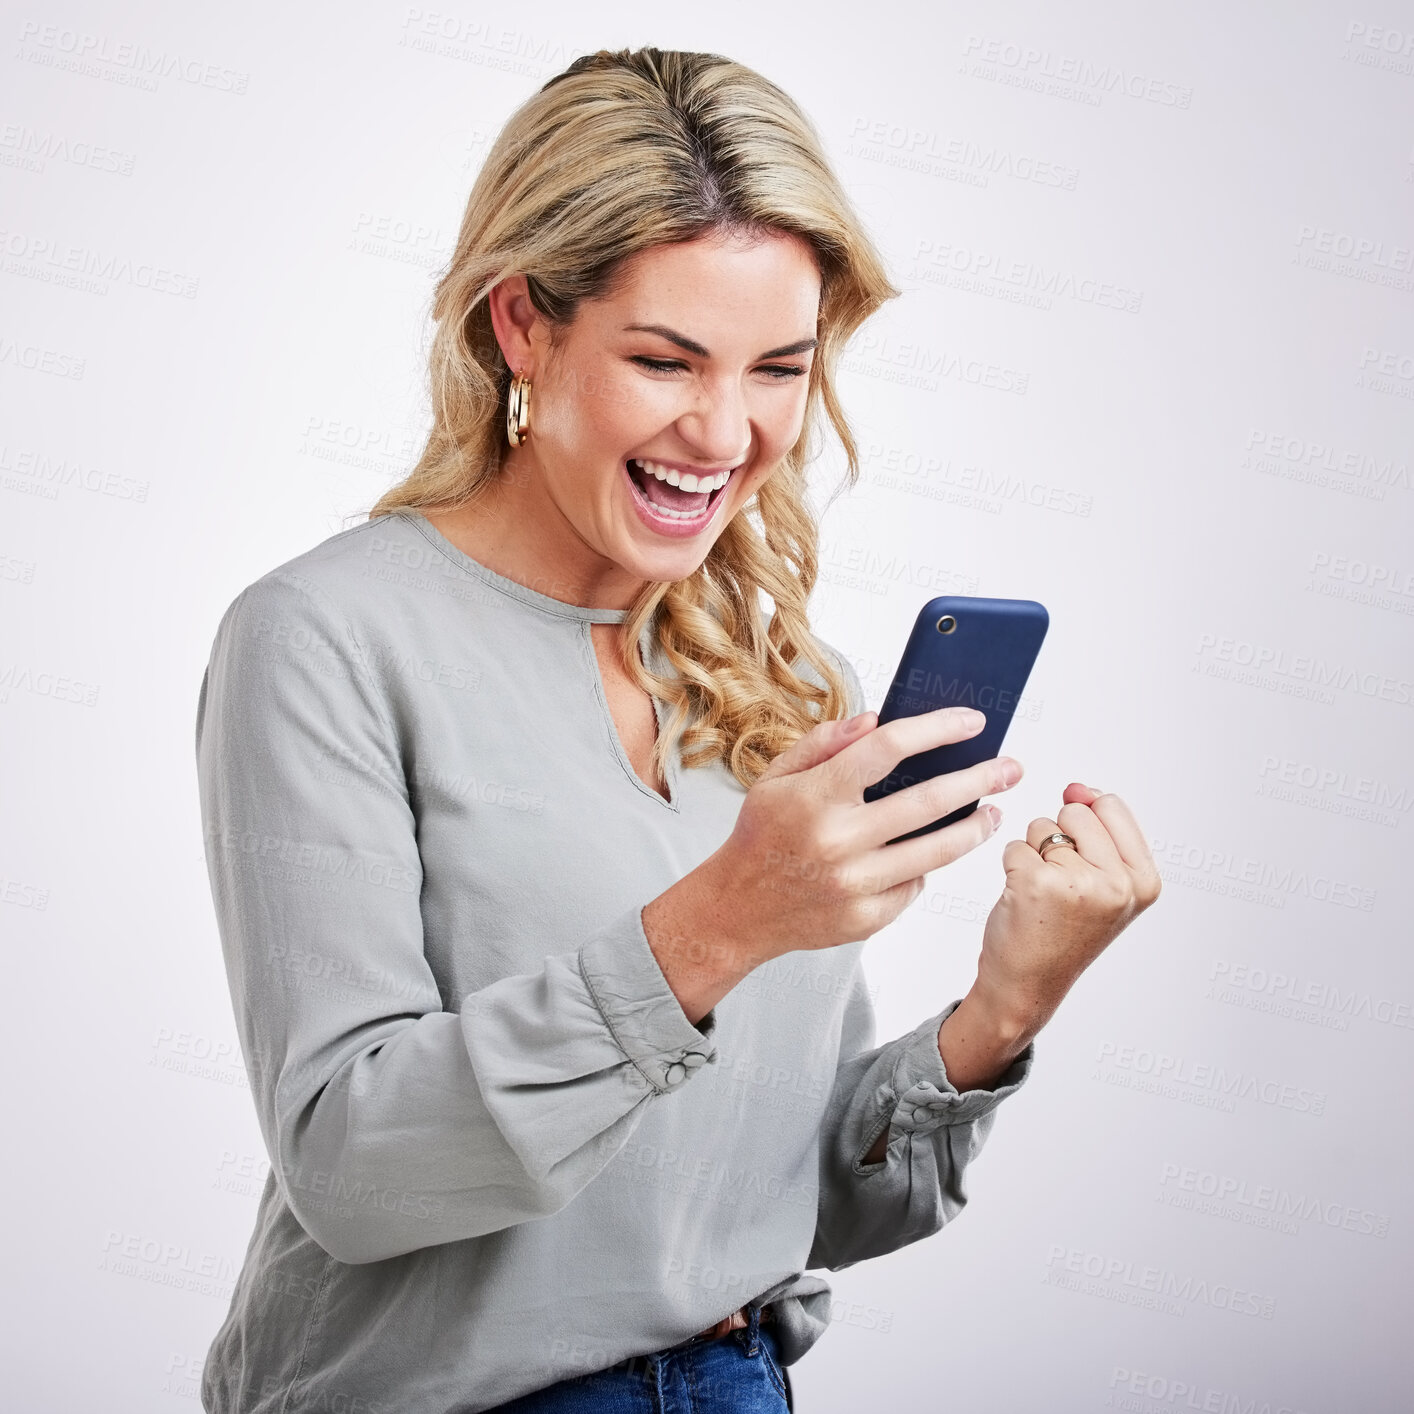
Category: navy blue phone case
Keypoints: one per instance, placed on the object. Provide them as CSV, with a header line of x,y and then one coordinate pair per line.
x,y
963,652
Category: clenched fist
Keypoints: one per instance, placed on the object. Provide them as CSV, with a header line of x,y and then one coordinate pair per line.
x,y
1058,913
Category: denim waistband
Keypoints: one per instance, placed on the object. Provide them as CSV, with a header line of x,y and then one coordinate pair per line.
x,y
748,1335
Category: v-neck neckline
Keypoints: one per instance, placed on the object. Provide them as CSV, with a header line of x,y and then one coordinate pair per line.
x,y
647,645
558,608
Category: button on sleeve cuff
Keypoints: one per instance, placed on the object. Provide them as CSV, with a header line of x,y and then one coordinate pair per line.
x,y
927,1099
622,974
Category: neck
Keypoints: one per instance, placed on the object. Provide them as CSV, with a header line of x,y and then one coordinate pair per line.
x,y
516,529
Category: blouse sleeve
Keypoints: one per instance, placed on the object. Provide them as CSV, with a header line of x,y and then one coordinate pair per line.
x,y
393,1123
934,1130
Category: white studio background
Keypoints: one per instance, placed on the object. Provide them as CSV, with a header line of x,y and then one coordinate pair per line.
x,y
1153,365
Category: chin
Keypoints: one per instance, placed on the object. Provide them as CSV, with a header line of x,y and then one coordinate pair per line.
x,y
667,563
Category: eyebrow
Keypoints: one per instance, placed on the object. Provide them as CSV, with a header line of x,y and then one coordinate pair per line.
x,y
693,347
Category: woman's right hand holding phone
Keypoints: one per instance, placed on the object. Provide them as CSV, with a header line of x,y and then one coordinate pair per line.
x,y
808,864
809,860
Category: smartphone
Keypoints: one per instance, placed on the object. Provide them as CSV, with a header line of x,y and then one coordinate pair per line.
x,y
963,652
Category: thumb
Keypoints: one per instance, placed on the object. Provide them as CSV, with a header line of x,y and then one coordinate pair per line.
x,y
821,742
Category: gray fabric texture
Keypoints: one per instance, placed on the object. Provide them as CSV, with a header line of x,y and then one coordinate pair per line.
x,y
501,1155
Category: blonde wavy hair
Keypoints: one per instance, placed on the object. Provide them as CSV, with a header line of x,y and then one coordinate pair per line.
x,y
622,151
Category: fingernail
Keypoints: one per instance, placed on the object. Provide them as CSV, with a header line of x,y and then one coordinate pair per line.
x,y
1094,790
994,815
855,724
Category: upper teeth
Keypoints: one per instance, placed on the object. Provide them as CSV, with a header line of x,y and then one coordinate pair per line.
x,y
686,480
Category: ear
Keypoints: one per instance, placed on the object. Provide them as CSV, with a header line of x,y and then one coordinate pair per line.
x,y
517,323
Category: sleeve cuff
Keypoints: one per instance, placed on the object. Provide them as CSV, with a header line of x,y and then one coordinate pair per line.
x,y
927,1099
642,1012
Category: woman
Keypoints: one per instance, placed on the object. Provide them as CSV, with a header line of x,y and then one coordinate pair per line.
x,y
538,848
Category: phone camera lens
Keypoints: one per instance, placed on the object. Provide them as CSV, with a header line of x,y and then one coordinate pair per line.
x,y
947,624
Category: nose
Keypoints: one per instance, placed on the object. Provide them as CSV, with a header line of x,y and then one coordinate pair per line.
x,y
718,424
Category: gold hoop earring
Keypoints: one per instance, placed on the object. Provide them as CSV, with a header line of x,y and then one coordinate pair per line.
x,y
518,411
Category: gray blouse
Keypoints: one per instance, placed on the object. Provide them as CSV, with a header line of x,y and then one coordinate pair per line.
x,y
501,1155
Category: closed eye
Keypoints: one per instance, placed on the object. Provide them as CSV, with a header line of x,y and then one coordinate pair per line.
x,y
779,371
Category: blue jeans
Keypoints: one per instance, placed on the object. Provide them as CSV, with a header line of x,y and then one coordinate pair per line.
x,y
738,1373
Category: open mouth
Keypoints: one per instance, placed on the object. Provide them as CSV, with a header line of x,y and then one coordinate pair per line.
x,y
663,490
